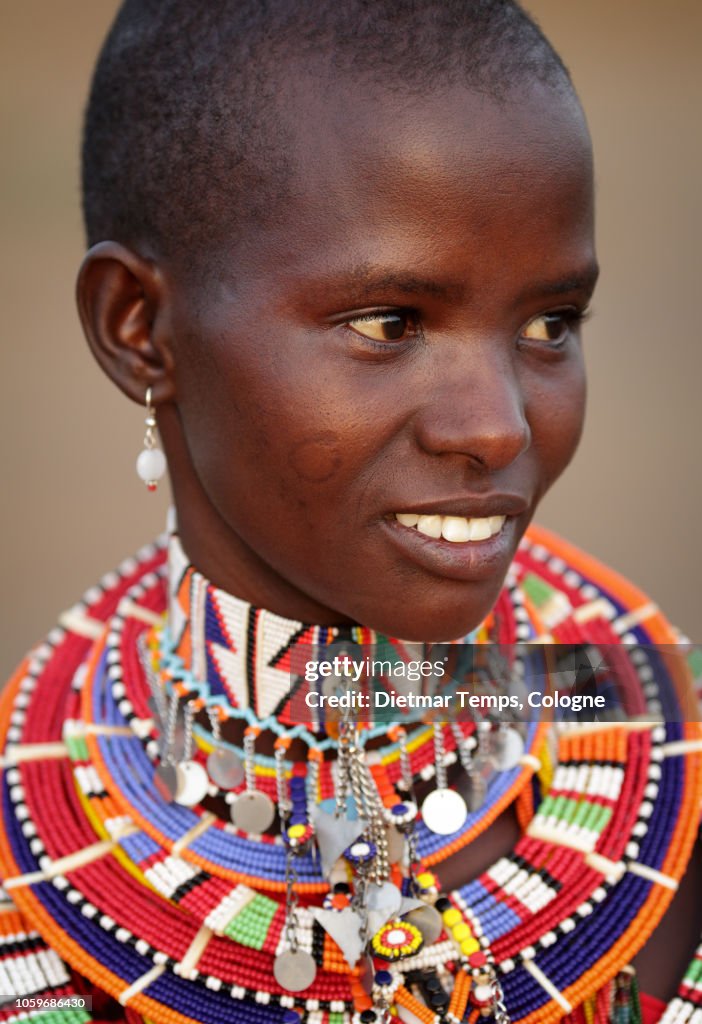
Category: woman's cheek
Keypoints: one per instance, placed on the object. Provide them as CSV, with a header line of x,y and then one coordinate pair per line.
x,y
556,414
317,459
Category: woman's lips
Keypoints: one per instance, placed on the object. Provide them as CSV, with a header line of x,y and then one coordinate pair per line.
x,y
457,547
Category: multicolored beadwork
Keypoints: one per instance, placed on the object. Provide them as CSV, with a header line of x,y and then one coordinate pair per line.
x,y
180,916
396,940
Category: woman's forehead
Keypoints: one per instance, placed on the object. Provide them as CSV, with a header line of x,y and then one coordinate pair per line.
x,y
386,181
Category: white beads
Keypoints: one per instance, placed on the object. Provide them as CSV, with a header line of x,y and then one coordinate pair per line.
x,y
482,994
151,465
151,462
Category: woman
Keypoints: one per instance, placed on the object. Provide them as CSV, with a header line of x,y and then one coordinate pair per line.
x,y
357,331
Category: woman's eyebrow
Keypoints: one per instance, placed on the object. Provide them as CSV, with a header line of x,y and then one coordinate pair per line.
x,y
583,280
367,283
368,280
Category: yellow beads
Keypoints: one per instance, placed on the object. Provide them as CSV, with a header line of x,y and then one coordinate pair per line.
x,y
460,931
469,946
426,880
451,917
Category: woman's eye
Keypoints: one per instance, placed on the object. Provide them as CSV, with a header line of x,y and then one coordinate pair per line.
x,y
551,328
396,326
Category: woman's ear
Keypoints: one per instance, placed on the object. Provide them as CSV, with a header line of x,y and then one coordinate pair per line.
x,y
122,304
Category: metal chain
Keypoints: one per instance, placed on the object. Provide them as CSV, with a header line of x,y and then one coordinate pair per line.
x,y
312,785
169,735
374,809
347,734
355,782
188,716
483,753
281,784
439,763
249,769
150,433
407,779
367,802
291,921
499,1009
462,747
214,724
359,904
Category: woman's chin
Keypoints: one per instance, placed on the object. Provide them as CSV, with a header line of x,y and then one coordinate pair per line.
x,y
451,615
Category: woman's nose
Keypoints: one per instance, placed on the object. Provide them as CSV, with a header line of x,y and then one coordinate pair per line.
x,y
476,408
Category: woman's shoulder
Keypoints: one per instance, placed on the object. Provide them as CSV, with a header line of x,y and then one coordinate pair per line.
x,y
565,584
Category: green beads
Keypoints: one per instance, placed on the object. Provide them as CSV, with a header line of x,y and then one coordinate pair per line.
x,y
252,924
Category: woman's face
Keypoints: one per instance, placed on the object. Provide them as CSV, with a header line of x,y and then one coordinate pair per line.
x,y
402,338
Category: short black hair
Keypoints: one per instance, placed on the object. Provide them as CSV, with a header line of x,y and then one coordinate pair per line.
x,y
184,118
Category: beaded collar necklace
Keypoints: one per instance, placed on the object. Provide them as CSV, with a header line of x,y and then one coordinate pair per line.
x,y
243,657
183,916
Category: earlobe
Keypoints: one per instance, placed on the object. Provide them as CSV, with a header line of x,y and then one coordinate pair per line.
x,y
122,304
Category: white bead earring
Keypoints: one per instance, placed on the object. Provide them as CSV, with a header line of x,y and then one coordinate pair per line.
x,y
151,462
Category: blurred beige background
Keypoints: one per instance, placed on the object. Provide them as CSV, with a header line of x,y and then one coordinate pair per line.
x,y
72,505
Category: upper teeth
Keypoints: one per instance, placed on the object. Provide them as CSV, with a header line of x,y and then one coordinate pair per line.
x,y
453,528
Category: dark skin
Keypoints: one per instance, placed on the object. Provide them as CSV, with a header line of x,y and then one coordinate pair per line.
x,y
402,337
470,412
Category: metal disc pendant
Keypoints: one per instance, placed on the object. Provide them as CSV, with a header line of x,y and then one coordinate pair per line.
x,y
509,749
193,783
253,811
225,768
294,971
444,811
428,920
166,781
